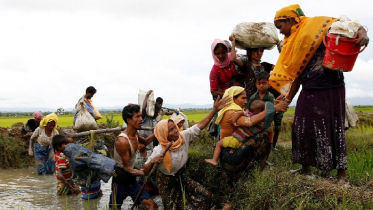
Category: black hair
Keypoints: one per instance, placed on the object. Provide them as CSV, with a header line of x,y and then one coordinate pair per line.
x,y
257,105
159,100
58,140
262,75
219,45
91,89
249,51
238,78
129,111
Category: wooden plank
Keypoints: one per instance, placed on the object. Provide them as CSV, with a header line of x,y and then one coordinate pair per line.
x,y
107,130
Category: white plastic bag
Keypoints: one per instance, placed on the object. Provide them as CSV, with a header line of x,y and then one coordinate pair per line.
x,y
150,104
84,120
255,35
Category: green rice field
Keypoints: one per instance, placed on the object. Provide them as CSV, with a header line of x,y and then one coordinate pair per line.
x,y
196,116
67,120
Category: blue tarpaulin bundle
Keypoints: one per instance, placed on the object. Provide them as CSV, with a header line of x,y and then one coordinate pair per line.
x,y
83,158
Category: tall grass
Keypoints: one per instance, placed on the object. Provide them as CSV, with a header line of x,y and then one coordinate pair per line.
x,y
276,188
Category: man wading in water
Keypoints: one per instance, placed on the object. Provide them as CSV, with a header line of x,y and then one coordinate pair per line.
x,y
125,147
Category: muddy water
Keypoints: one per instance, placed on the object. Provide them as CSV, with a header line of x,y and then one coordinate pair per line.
x,y
24,189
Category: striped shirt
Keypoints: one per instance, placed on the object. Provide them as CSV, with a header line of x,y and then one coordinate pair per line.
x,y
62,163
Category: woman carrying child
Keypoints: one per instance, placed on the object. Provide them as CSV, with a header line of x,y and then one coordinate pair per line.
x,y
250,68
244,158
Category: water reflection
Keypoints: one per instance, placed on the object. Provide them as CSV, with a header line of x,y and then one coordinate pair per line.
x,y
24,189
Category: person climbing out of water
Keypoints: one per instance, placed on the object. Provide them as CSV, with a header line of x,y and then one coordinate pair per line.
x,y
125,183
32,124
65,185
170,173
44,155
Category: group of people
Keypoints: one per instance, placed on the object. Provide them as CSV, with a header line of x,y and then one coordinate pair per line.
x,y
318,137
249,99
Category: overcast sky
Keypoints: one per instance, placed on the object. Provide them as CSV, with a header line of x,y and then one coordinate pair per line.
x,y
52,50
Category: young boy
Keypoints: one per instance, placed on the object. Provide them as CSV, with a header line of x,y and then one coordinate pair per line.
x,y
262,92
65,185
241,134
264,95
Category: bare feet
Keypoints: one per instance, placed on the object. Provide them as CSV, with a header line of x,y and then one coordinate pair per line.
x,y
211,161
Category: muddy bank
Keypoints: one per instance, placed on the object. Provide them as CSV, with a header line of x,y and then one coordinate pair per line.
x,y
14,145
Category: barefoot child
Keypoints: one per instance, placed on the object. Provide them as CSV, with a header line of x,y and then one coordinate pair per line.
x,y
65,185
241,134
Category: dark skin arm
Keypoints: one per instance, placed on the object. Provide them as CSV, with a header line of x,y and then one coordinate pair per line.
x,y
63,180
362,37
147,140
123,149
217,93
233,52
362,40
218,104
281,106
148,167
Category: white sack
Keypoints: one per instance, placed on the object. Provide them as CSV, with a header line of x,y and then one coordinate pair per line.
x,y
84,120
255,35
150,104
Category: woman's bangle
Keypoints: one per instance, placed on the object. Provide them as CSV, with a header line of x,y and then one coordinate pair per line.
x,y
287,100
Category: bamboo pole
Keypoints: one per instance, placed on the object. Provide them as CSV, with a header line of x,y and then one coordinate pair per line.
x,y
151,172
107,130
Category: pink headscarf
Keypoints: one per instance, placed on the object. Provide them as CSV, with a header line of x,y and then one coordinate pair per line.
x,y
220,64
38,115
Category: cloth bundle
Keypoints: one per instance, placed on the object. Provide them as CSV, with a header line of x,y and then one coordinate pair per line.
x,y
82,158
345,27
150,107
255,35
